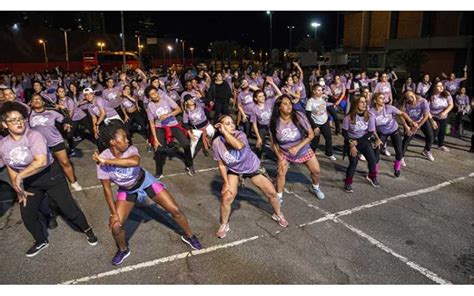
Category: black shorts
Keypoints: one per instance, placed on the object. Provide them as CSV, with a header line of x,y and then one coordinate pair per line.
x,y
58,147
245,176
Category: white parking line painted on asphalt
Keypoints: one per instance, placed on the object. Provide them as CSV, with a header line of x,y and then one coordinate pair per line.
x,y
330,216
159,261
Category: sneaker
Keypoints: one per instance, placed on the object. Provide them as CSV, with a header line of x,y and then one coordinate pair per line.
x,y
76,186
280,219
332,157
348,188
428,155
397,173
159,176
373,182
319,194
120,256
387,153
52,222
192,242
223,229
403,163
190,170
36,248
77,139
362,158
444,148
91,238
71,153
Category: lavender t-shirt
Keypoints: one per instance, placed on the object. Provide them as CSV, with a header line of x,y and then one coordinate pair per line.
x,y
123,177
262,115
416,112
360,127
77,114
44,122
245,98
20,154
194,117
385,88
94,108
462,101
113,96
163,106
384,119
452,86
438,104
243,161
423,88
288,135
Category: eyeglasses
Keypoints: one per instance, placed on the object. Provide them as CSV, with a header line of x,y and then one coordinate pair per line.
x,y
15,120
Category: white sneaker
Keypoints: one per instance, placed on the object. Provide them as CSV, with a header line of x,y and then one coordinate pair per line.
x,y
387,153
362,158
332,157
76,186
403,163
444,148
428,155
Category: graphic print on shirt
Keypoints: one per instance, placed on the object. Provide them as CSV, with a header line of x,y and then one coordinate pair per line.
x,y
122,173
17,156
38,120
288,134
232,156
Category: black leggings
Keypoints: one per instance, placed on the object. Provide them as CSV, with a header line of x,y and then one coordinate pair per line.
x,y
427,130
220,108
247,126
138,118
263,131
440,133
364,147
160,156
326,131
458,121
332,111
396,142
51,182
86,123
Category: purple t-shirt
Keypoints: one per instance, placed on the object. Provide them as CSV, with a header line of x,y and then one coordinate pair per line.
x,y
77,114
243,161
336,90
423,88
360,127
94,108
173,95
123,177
365,82
262,115
127,103
385,88
416,112
245,98
195,95
194,117
20,154
163,106
44,122
288,134
269,92
302,89
462,101
438,104
113,96
384,119
452,86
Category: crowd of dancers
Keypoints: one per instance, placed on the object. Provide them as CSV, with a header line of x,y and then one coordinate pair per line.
x,y
237,115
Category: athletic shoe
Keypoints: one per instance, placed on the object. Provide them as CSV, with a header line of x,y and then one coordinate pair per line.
x,y
387,153
120,256
373,182
280,219
348,188
76,186
77,139
223,229
91,238
52,222
397,173
317,191
332,157
36,248
159,176
190,170
362,157
71,153
192,242
428,155
444,148
403,163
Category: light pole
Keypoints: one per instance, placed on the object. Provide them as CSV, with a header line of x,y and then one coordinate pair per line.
x,y
192,53
182,48
67,48
124,63
291,29
170,49
139,48
315,25
43,42
101,45
270,14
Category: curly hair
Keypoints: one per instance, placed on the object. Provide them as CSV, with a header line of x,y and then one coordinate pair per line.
x,y
13,106
109,131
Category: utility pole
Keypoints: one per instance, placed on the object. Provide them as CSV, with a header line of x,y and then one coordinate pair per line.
x,y
124,63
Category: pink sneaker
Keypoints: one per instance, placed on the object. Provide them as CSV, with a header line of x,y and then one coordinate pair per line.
x,y
223,229
280,219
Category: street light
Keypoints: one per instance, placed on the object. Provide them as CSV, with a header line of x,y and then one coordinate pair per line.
x,y
43,42
15,27
192,52
291,29
170,49
67,48
182,48
270,14
315,25
101,45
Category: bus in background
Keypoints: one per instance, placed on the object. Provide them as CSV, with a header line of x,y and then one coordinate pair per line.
x,y
108,60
